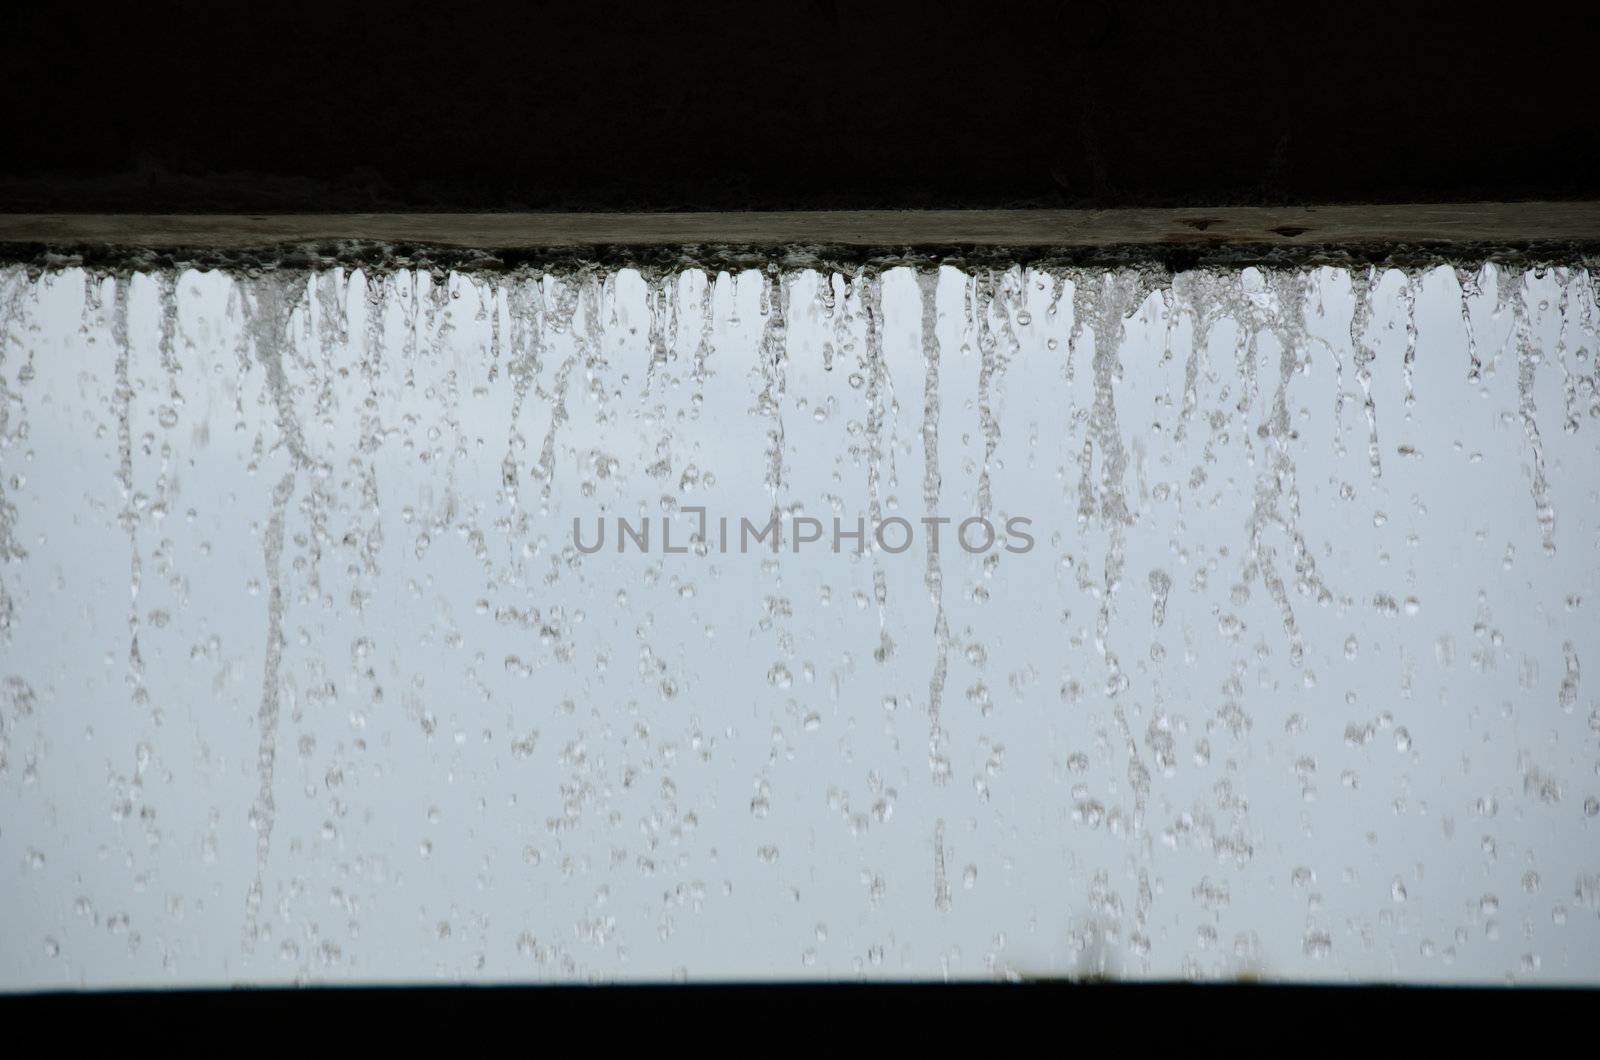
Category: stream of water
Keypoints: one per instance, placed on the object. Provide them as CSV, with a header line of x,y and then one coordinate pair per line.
x,y
311,668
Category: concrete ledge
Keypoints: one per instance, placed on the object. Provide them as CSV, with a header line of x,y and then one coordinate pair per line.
x,y
1441,225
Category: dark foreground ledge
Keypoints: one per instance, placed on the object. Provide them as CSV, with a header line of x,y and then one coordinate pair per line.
x,y
1173,1019
1230,1014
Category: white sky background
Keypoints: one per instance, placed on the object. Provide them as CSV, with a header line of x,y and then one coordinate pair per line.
x,y
492,759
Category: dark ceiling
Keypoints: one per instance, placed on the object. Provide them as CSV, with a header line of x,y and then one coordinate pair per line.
x,y
182,105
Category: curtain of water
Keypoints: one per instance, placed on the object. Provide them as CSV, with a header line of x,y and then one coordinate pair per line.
x,y
312,669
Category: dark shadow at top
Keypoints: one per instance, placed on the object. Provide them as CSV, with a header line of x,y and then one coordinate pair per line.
x,y
196,106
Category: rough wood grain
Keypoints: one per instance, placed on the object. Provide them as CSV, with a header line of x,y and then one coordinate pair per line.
x,y
1437,224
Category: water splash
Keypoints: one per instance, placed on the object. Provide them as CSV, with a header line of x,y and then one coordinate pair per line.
x,y
464,722
932,479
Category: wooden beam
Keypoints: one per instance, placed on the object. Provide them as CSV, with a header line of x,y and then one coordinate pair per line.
x,y
1434,224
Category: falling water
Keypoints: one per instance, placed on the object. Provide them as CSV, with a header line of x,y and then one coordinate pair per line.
x,y
305,676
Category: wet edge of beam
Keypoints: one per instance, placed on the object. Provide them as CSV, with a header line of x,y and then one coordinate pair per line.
x,y
1533,232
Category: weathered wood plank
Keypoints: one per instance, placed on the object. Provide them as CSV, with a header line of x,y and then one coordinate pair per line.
x,y
1348,225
